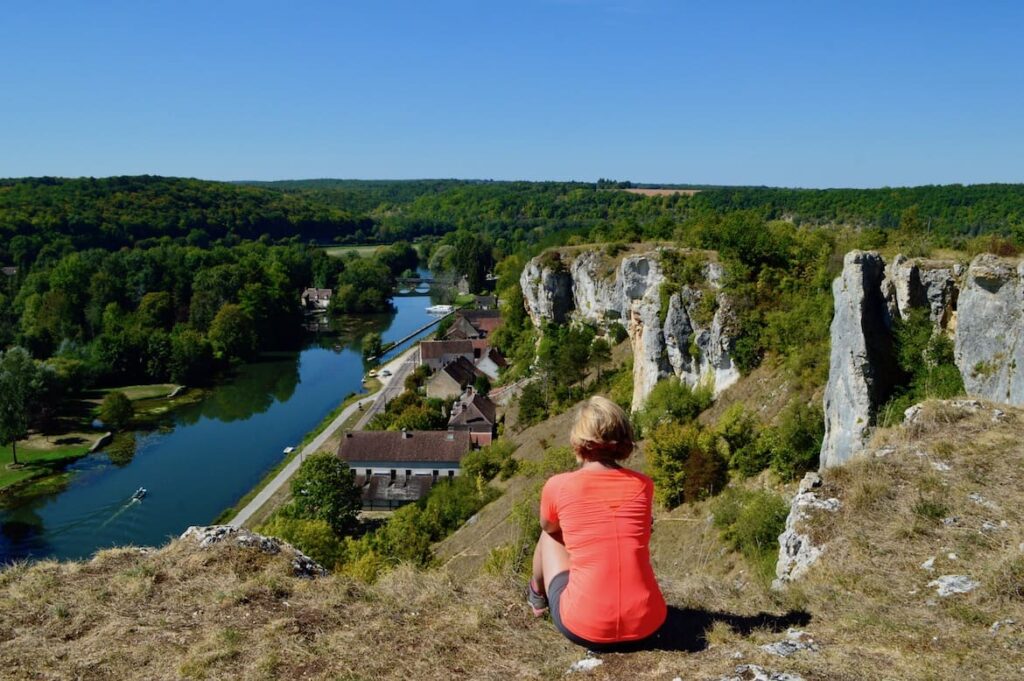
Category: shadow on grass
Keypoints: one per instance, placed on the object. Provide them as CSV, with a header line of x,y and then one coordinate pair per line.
x,y
686,629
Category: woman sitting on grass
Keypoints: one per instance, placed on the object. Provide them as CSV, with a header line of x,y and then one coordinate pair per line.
x,y
592,564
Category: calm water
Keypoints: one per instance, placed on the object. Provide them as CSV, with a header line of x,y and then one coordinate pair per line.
x,y
214,453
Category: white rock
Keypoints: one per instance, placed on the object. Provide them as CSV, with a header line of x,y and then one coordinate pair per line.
x,y
989,341
982,501
949,585
941,466
861,358
795,642
752,672
587,664
928,564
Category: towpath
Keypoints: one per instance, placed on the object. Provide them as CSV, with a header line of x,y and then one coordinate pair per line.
x,y
398,368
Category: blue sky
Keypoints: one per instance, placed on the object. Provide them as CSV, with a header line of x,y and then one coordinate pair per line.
x,y
812,94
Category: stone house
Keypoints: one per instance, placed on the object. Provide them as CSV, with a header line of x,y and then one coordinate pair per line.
x,y
476,414
396,468
316,298
450,380
435,354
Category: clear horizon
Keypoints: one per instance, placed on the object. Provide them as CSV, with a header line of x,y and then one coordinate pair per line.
x,y
738,94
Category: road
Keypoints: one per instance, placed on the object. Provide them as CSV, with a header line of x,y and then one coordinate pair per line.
x,y
391,387
395,386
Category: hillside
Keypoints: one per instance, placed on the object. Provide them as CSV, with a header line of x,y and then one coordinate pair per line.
x,y
939,497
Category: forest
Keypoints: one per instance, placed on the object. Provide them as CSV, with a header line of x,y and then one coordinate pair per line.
x,y
151,279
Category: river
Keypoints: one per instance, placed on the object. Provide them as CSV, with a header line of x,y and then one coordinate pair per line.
x,y
211,454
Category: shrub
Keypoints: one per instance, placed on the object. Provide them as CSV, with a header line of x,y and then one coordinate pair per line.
x,y
751,522
116,411
740,430
315,538
533,408
686,463
673,400
490,461
796,442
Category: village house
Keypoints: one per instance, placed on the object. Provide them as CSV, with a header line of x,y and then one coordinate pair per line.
x,y
484,321
450,380
491,363
476,414
461,329
435,354
396,468
316,298
486,302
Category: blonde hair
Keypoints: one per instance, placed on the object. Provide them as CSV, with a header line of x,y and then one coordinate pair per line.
x,y
602,431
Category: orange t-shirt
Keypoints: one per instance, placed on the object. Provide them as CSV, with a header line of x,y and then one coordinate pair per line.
x,y
605,517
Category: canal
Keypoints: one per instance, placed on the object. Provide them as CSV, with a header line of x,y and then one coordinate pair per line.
x,y
209,456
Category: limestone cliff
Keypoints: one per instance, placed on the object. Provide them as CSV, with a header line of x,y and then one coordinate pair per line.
x,y
861,363
686,335
990,330
980,307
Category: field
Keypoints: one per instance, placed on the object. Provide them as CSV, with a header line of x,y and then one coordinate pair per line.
x,y
661,192
361,251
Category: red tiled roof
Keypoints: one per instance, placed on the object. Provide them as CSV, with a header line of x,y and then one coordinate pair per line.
x,y
412,446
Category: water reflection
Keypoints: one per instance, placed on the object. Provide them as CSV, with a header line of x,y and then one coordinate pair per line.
x,y
206,457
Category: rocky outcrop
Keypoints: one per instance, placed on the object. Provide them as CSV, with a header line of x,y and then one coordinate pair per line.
x,y
207,536
989,342
862,362
928,284
796,550
981,308
547,290
682,340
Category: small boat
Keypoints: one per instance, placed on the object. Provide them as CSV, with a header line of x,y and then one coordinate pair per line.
x,y
372,373
440,309
289,450
139,493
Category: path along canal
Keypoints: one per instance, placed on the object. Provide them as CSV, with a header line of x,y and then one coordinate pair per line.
x,y
210,455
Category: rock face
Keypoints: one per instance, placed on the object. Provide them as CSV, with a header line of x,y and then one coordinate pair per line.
x,y
796,551
204,537
862,362
981,308
689,343
547,289
989,344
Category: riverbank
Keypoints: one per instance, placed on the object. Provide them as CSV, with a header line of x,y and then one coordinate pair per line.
x,y
44,456
373,387
271,494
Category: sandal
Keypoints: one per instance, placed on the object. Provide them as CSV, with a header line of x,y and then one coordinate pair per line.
x,y
538,601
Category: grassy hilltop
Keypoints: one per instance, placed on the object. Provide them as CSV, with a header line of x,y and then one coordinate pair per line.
x,y
233,612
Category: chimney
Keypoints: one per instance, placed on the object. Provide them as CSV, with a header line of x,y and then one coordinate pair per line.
x,y
450,435
406,434
348,433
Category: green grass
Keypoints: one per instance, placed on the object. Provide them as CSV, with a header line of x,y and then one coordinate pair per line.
x,y
35,462
361,251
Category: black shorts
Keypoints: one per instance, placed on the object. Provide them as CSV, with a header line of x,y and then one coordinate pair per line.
x,y
555,589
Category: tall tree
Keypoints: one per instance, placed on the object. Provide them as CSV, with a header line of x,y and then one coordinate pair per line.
x,y
324,489
18,384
